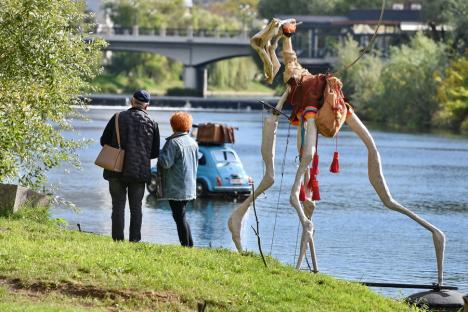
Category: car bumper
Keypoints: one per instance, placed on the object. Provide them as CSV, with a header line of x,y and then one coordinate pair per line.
x,y
233,189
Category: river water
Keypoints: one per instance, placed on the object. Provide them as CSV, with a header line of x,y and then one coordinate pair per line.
x,y
356,237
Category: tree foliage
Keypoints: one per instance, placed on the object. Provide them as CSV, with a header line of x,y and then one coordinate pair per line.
x,y
147,13
361,82
234,73
452,94
400,91
46,63
244,11
451,15
409,95
166,14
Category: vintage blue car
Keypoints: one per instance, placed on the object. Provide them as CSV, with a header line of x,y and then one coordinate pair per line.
x,y
219,171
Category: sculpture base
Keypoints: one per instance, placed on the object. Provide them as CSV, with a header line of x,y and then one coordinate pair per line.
x,y
442,300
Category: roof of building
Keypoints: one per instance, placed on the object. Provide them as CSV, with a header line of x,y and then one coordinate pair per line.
x,y
367,16
389,15
315,18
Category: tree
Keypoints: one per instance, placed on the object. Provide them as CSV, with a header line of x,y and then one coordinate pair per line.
x,y
401,91
147,13
234,74
245,11
46,63
451,16
409,95
452,93
362,81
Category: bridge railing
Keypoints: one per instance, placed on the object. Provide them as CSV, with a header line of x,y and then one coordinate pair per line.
x,y
173,32
311,45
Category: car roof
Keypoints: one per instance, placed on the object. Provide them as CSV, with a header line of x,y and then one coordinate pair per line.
x,y
206,148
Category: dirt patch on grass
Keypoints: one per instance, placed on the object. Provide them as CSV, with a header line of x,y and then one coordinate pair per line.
x,y
133,298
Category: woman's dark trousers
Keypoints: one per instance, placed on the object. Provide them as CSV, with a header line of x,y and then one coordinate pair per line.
x,y
183,228
118,190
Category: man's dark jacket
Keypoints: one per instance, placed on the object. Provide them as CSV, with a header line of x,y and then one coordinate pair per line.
x,y
139,138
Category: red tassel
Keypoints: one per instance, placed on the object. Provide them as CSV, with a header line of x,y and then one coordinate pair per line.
x,y
315,168
335,165
302,193
315,189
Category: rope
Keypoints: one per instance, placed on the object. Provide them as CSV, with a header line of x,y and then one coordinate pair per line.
x,y
281,186
368,47
336,143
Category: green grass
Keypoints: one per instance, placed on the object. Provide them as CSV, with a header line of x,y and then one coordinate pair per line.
x,y
44,267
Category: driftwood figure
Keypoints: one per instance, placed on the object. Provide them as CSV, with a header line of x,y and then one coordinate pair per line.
x,y
310,94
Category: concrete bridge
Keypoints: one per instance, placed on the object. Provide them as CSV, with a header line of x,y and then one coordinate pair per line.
x,y
194,49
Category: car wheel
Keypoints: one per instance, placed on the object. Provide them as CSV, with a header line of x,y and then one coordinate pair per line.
x,y
151,186
201,188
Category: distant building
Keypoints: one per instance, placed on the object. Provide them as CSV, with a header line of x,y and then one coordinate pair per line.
x,y
317,34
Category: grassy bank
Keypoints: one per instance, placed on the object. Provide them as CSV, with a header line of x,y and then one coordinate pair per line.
x,y
44,267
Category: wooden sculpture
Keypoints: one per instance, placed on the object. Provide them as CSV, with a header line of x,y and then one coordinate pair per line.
x,y
307,92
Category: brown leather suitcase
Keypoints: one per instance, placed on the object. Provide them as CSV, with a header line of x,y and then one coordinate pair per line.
x,y
212,133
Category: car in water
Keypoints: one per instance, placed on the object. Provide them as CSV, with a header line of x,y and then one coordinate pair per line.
x,y
220,171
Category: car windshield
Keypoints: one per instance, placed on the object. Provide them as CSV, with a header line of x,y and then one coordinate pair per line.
x,y
224,156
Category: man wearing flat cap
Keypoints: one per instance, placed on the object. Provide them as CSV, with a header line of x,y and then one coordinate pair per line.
x,y
139,138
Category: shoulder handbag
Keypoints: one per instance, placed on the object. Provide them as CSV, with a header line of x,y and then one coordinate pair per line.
x,y
112,158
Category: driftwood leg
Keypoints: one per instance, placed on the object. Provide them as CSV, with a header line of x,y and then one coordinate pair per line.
x,y
377,180
270,124
307,238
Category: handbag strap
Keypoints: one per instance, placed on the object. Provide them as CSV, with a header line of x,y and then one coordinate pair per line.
x,y
117,128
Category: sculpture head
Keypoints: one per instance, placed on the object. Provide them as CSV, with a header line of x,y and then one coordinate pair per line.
x,y
289,27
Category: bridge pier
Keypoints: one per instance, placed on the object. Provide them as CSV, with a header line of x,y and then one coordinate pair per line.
x,y
196,78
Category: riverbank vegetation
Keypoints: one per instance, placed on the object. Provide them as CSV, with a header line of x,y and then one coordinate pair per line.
x,y
44,267
46,62
398,91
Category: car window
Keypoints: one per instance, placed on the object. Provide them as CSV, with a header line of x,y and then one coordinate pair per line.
x,y
229,156
201,159
224,156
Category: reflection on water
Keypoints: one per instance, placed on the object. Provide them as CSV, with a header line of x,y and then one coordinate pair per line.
x,y
356,238
207,218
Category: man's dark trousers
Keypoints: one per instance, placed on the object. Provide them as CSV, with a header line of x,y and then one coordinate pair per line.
x,y
118,190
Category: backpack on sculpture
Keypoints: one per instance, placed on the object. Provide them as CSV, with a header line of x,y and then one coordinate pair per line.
x,y
332,114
